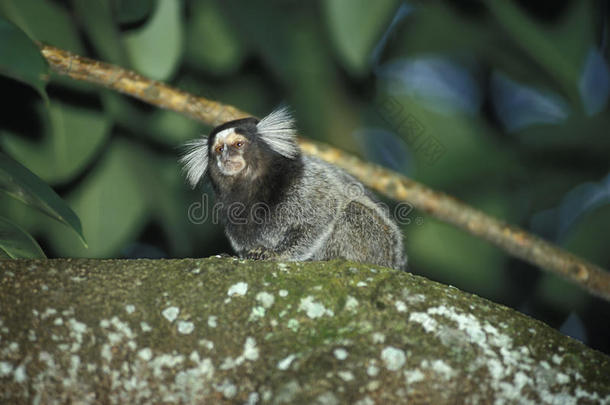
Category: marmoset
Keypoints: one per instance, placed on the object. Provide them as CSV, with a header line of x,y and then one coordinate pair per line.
x,y
276,203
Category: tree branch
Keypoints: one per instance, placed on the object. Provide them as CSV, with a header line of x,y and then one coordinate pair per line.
x,y
510,238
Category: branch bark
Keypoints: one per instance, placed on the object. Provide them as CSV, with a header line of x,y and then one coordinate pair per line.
x,y
231,331
512,239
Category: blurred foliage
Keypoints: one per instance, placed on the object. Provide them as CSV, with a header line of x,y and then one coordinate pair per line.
x,y
501,104
20,58
22,185
16,243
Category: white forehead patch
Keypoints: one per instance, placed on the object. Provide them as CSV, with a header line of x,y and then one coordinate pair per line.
x,y
224,134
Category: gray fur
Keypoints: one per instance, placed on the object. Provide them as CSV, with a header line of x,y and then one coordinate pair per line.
x,y
333,216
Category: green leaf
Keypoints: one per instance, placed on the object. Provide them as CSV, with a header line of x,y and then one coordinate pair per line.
x,y
211,39
156,48
290,48
439,142
110,205
588,239
160,125
18,182
45,21
588,236
132,11
540,45
16,243
98,23
71,140
20,58
561,294
170,208
355,27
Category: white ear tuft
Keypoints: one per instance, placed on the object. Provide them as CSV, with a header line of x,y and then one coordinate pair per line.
x,y
195,160
279,132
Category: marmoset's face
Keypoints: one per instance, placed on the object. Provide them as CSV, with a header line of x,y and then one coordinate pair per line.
x,y
228,149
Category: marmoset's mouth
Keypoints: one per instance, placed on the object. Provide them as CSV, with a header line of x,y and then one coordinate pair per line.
x,y
231,167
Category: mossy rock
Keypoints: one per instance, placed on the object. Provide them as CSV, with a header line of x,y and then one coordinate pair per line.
x,y
223,330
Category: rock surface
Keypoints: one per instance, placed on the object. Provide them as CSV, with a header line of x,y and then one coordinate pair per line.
x,y
230,331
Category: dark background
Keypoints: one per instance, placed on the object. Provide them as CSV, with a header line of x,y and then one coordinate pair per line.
x,y
500,104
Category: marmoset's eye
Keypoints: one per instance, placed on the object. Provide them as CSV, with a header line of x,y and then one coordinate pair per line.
x,y
238,144
220,148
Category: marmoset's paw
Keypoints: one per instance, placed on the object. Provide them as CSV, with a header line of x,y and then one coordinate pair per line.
x,y
260,254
